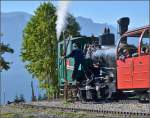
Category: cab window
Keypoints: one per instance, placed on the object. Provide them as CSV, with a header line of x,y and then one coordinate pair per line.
x,y
145,43
68,47
128,46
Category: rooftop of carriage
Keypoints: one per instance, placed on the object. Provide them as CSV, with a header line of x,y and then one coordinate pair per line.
x,y
137,32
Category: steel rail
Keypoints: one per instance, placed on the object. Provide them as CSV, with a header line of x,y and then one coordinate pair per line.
x,y
106,113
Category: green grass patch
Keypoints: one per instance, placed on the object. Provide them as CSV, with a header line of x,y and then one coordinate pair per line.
x,y
16,115
10,115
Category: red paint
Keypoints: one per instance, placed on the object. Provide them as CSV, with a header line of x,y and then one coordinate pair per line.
x,y
141,72
68,62
134,73
124,73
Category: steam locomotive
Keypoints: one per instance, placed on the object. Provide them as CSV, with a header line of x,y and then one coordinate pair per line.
x,y
113,69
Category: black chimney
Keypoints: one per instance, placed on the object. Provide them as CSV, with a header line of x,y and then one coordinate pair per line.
x,y
123,24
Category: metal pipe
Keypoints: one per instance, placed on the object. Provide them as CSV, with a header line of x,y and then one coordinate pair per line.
x,y
65,71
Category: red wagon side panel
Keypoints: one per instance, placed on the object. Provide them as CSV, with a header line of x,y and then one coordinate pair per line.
x,y
124,74
134,72
141,72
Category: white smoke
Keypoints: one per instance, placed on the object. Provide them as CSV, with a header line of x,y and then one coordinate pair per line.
x,y
61,17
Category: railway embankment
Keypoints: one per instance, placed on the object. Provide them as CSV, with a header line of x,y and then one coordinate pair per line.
x,y
60,109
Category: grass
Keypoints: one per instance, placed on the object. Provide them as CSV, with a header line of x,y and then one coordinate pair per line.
x,y
32,113
11,115
16,115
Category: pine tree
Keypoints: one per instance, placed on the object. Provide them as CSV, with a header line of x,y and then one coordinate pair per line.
x,y
4,65
72,27
21,98
44,97
16,99
39,97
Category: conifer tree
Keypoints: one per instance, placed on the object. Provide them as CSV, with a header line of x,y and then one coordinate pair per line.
x,y
21,98
72,27
16,98
39,97
4,65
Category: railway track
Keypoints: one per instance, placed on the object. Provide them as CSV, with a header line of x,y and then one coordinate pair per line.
x,y
98,112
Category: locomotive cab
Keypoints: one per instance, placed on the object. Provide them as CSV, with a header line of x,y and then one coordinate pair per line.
x,y
70,61
133,60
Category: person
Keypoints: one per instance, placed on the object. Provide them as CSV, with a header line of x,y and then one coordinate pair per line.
x,y
145,51
125,54
78,56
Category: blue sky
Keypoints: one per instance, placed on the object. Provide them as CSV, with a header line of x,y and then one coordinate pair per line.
x,y
98,11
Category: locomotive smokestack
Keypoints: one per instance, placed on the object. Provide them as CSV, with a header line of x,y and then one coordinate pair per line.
x,y
123,25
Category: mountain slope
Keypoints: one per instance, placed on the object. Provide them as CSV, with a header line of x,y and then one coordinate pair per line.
x,y
88,27
16,80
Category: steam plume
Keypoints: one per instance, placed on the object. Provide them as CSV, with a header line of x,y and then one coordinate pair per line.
x,y
61,17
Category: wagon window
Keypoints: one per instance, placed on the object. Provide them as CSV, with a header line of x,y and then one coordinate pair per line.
x,y
145,43
128,46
